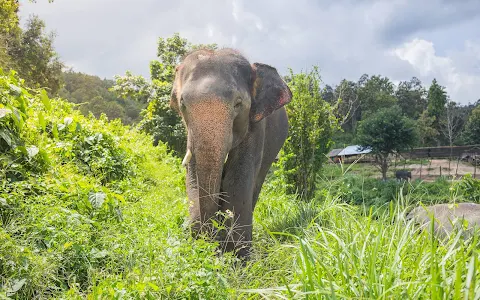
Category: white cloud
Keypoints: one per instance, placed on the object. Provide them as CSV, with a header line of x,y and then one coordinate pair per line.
x,y
345,38
462,85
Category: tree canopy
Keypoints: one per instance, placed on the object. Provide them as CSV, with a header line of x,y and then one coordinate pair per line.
x,y
386,132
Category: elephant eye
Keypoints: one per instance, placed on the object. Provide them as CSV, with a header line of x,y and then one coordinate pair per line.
x,y
238,104
182,103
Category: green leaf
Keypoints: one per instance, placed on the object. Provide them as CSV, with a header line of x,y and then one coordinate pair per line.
x,y
17,118
4,135
17,285
153,286
41,121
45,100
23,150
98,254
97,199
15,89
67,121
32,151
4,112
55,131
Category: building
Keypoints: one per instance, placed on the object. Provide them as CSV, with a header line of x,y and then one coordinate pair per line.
x,y
349,153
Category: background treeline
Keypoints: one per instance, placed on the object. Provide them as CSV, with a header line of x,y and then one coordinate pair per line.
x,y
30,52
441,121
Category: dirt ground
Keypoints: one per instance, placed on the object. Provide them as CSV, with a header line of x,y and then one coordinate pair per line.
x,y
429,172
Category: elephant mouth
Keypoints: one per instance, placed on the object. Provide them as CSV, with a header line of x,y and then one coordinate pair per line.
x,y
188,157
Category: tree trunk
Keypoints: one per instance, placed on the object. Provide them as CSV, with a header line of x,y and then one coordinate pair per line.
x,y
384,168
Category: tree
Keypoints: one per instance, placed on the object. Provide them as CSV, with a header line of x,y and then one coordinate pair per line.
x,y
133,87
92,95
311,126
347,108
411,97
471,134
386,132
437,99
328,94
451,125
158,119
8,27
374,93
33,56
426,132
8,16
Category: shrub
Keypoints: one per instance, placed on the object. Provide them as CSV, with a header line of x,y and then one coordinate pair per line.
x,y
469,187
311,126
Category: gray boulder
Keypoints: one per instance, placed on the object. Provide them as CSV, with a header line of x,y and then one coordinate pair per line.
x,y
448,218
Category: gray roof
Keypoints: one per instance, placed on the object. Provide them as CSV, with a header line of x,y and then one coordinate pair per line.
x,y
349,150
334,152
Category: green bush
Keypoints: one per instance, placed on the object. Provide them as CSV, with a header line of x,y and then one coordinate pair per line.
x,y
359,190
469,187
19,151
311,127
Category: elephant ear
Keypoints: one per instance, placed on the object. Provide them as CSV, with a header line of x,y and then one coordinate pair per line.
x,y
269,92
173,95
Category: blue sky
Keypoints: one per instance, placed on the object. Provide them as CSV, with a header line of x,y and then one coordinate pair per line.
x,y
344,38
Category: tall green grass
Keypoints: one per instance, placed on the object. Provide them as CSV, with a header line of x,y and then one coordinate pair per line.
x,y
341,254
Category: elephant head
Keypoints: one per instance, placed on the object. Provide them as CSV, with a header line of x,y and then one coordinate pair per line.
x,y
219,95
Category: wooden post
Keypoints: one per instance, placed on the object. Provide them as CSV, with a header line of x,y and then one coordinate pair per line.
x,y
449,162
421,164
440,171
475,167
456,171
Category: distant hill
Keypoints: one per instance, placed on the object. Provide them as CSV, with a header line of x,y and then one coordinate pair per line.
x,y
92,94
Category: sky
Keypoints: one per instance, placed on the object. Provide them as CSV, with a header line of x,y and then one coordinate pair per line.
x,y
344,38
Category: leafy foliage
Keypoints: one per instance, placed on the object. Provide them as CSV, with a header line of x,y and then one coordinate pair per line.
x,y
33,56
427,133
411,97
92,95
159,119
471,135
375,92
470,188
8,16
386,132
437,100
311,126
19,152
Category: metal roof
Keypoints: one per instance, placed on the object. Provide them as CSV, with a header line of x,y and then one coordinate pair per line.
x,y
353,150
334,152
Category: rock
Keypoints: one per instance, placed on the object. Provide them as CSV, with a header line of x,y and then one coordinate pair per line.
x,y
448,217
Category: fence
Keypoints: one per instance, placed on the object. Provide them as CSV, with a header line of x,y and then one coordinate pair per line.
x,y
429,163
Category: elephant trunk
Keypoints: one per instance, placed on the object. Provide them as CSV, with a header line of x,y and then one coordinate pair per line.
x,y
209,139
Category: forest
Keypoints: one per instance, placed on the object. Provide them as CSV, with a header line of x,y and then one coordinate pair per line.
x,y
93,199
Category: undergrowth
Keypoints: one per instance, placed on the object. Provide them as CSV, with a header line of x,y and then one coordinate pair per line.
x,y
89,209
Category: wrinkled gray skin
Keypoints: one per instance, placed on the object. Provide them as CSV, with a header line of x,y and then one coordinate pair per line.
x,y
448,218
236,125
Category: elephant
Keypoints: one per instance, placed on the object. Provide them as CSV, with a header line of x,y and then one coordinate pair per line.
x,y
447,218
236,124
